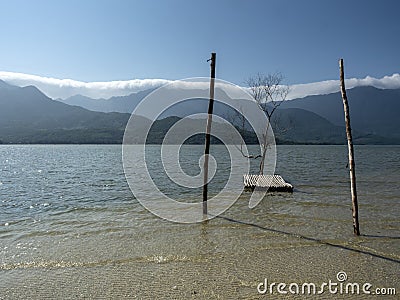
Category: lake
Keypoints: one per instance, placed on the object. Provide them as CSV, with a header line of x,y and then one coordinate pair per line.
x,y
71,228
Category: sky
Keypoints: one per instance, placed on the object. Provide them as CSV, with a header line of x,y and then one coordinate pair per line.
x,y
101,41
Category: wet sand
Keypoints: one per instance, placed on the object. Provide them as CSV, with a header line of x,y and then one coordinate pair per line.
x,y
224,259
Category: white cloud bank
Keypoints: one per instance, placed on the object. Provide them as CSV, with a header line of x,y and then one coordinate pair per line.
x,y
64,88
332,86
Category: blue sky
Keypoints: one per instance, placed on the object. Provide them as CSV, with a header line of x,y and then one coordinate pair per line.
x,y
121,40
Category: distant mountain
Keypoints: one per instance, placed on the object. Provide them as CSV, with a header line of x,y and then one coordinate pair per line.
x,y
4,85
300,126
28,116
372,110
122,104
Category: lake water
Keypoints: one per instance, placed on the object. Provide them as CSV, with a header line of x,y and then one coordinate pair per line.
x,y
70,227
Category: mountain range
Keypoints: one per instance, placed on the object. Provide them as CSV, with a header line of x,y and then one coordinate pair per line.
x,y
29,116
122,104
372,110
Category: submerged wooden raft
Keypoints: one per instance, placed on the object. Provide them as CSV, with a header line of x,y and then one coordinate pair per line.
x,y
274,183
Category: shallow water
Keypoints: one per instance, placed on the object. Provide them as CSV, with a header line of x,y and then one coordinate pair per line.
x,y
71,228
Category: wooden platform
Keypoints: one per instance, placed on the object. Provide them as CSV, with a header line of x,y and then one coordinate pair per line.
x,y
274,183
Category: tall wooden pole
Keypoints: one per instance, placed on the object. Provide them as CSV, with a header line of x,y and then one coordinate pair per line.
x,y
351,151
208,136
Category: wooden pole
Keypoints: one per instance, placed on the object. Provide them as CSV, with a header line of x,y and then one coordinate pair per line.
x,y
208,136
351,151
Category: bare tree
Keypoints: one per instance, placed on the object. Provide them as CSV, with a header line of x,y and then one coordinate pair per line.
x,y
269,93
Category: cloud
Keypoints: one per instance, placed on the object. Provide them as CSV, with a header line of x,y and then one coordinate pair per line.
x,y
64,88
332,86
